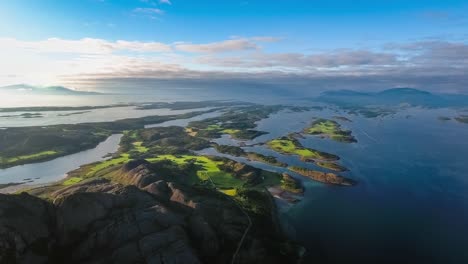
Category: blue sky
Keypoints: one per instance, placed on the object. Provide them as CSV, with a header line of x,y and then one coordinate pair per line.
x,y
306,38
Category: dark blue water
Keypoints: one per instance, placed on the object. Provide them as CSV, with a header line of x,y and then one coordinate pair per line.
x,y
411,203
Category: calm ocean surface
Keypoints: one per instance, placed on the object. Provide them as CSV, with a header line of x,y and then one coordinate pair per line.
x,y
412,196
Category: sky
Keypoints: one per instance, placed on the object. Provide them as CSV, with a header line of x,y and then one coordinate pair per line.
x,y
309,44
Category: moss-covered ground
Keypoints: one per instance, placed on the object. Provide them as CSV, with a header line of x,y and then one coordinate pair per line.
x,y
291,146
330,129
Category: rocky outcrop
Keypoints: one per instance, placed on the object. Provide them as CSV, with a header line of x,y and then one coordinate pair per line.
x,y
242,171
329,178
149,221
137,173
26,229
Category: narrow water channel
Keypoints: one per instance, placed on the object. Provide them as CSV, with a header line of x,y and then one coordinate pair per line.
x,y
54,170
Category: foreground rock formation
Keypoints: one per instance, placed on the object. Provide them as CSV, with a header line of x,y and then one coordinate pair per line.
x,y
139,218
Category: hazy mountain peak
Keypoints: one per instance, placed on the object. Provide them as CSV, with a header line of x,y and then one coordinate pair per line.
x,y
49,90
404,91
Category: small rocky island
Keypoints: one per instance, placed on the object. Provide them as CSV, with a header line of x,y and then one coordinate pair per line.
x,y
462,119
328,178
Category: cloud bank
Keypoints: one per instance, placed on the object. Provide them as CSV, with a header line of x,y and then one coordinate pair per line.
x,y
435,65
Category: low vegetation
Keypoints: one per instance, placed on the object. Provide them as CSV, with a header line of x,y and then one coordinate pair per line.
x,y
331,166
238,123
289,184
22,145
265,159
331,129
291,146
231,150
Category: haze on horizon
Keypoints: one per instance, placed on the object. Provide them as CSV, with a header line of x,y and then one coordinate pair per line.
x,y
299,44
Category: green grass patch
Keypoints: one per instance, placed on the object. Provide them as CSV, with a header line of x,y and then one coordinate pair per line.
x,y
34,156
72,180
209,169
330,129
139,147
230,131
291,146
107,163
213,127
230,192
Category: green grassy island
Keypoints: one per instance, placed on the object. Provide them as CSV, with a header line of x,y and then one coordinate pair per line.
x,y
444,118
291,146
331,129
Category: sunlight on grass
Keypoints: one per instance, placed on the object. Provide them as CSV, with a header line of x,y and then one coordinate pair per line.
x,y
72,180
210,169
42,154
105,164
138,147
288,147
230,192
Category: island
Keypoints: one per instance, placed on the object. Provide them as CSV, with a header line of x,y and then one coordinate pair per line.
x,y
331,166
253,156
330,129
328,178
444,118
462,119
74,113
24,115
289,145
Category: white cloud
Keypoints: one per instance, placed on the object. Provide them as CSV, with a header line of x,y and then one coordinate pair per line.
x,y
236,44
82,46
152,13
47,61
168,2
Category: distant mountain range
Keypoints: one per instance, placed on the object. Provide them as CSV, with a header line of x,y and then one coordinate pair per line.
x,y
44,90
396,96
